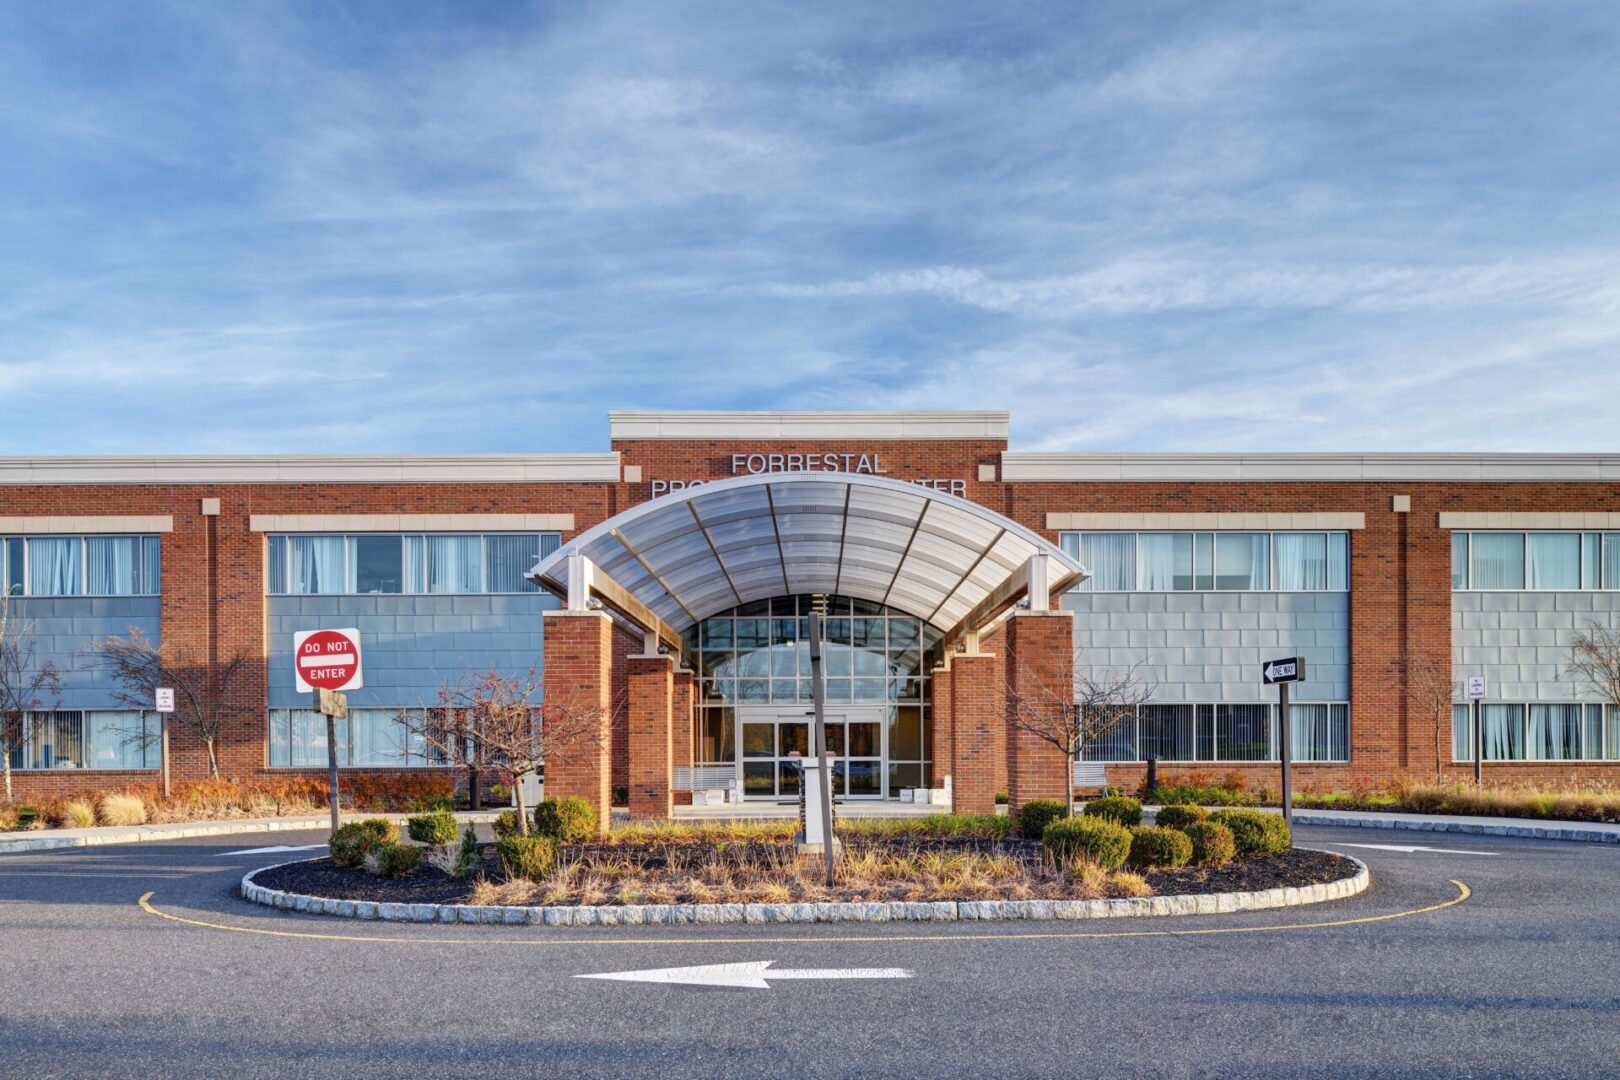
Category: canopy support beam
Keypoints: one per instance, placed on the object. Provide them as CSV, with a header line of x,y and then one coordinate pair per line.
x,y
1033,579
587,582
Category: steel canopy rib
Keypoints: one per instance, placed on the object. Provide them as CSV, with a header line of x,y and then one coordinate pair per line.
x,y
718,561
900,564
968,573
776,528
843,537
636,555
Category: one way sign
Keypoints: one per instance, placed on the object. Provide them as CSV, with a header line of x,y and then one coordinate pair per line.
x,y
1290,670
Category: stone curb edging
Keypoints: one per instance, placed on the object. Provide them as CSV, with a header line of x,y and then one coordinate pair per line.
x,y
1474,828
897,911
180,831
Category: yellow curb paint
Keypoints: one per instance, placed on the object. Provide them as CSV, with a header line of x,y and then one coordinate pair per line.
x,y
1463,893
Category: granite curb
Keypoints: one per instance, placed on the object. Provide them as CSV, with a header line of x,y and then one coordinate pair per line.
x,y
895,911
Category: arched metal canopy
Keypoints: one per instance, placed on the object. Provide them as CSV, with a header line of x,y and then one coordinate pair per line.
x,y
704,549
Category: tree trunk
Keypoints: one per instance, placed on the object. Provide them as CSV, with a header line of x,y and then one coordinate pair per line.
x,y
213,759
1068,782
5,752
522,807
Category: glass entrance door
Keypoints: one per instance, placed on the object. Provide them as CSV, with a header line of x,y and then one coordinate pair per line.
x,y
774,741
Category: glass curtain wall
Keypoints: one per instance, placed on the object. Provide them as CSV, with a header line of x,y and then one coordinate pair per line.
x,y
759,654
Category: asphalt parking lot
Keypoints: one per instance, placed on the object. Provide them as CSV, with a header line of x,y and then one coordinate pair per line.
x,y
1515,973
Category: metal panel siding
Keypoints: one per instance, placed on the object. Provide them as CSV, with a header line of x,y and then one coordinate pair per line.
x,y
412,644
1210,646
1520,641
64,627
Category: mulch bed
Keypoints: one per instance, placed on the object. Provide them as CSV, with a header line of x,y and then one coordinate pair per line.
x,y
426,885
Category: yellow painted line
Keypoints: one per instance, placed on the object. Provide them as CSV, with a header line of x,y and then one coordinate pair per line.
x,y
1463,893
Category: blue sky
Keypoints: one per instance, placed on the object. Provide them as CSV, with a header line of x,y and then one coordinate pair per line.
x,y
374,227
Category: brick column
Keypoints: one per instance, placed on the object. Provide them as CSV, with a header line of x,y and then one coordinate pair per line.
x,y
578,676
651,682
681,719
977,714
1040,679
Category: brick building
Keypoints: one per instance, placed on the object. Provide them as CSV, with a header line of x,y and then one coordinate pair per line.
x,y
668,581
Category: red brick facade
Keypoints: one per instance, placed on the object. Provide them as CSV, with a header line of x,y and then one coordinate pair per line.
x,y
1039,669
651,744
579,677
213,599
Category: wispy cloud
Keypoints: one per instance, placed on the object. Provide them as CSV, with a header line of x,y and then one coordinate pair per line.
x,y
422,228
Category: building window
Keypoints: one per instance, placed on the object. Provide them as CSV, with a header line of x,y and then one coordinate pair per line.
x,y
88,739
1532,561
1226,732
1204,562
367,738
1538,731
80,565
381,563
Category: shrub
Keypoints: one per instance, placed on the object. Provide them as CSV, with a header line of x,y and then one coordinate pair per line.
x,y
1211,842
505,824
570,820
122,810
1003,798
394,860
500,793
469,856
1102,841
1180,816
1254,832
411,793
1166,794
351,843
10,818
1120,809
78,814
1037,814
435,829
531,857
1154,845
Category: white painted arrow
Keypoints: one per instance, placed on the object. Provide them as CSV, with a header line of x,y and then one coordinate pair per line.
x,y
270,850
1410,850
749,975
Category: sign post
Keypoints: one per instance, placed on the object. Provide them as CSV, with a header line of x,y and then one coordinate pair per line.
x,y
164,704
1476,694
1280,673
326,663
823,770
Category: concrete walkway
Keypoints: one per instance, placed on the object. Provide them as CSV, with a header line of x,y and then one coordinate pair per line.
x,y
48,839
1589,832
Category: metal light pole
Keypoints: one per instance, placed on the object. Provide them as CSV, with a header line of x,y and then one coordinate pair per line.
x,y
818,700
1287,756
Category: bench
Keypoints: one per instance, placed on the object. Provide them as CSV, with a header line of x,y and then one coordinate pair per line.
x,y
712,778
1090,775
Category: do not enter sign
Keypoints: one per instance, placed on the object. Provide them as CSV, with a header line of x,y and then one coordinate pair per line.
x,y
327,660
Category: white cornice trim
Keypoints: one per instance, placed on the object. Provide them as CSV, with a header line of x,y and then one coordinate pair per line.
x,y
389,523
343,469
1030,466
1519,520
1211,522
983,424
111,523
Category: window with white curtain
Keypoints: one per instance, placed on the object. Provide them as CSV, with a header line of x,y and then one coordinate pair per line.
x,y
55,566
368,737
1503,730
1185,561
1320,732
87,739
416,563
1545,561
1167,732
1302,562
1242,561
1554,732
1538,731
1552,561
1165,562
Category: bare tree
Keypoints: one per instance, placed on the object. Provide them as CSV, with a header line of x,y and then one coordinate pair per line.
x,y
1430,691
26,683
498,721
203,690
1595,658
1075,716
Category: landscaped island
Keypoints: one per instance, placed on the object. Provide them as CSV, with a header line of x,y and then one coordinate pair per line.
x,y
1039,855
